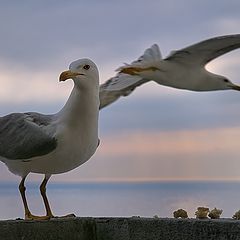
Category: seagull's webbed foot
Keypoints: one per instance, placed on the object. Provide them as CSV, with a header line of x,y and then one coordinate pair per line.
x,y
136,70
29,216
66,216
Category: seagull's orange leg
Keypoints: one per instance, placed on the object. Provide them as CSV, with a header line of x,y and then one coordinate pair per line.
x,y
22,190
44,196
28,214
45,199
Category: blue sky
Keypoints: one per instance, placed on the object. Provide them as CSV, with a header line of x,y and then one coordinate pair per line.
x,y
155,133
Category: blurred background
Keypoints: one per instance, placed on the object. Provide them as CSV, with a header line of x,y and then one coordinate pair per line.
x,y
155,135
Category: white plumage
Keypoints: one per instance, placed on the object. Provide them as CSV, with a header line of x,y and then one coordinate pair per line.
x,y
182,69
53,144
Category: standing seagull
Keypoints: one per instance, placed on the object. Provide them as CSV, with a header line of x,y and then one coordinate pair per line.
x,y
183,69
53,144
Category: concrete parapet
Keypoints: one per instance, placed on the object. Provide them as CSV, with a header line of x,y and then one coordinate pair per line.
x,y
120,229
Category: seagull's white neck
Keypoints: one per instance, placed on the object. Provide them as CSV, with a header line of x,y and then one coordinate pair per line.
x,y
81,106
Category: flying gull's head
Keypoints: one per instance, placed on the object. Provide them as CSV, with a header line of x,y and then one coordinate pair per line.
x,y
222,83
84,73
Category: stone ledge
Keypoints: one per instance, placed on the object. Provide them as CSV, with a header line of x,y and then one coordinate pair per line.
x,y
120,229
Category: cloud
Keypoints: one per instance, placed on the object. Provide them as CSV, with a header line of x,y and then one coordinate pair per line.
x,y
40,39
23,86
43,38
186,110
227,23
45,34
142,155
227,65
200,154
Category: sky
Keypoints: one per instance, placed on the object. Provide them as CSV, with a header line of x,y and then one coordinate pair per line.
x,y
156,133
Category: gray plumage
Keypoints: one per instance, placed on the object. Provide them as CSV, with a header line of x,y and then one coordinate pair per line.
x,y
24,135
107,97
207,50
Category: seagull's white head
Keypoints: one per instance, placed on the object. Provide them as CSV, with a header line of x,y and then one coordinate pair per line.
x,y
218,82
230,85
84,73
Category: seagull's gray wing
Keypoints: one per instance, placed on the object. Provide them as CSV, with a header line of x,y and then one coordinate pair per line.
x,y
118,86
26,135
203,52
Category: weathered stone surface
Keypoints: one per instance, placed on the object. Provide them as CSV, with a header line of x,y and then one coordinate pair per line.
x,y
56,229
121,229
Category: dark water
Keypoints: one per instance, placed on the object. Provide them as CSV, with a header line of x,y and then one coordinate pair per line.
x,y
124,199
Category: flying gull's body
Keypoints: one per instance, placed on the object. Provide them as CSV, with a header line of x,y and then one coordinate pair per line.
x,y
182,69
53,144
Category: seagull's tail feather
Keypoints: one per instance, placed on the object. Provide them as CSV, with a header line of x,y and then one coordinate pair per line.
x,y
123,84
150,58
151,54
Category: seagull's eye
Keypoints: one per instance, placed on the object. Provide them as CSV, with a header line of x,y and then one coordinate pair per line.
x,y
225,80
86,67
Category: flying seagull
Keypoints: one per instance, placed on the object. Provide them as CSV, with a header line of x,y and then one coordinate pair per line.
x,y
182,69
52,144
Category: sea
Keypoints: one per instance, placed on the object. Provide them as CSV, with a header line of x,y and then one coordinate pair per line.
x,y
123,199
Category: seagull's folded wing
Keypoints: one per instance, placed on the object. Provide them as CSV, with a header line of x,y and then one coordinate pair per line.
x,y
25,135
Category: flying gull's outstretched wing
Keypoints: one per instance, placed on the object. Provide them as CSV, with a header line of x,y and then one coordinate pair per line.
x,y
205,51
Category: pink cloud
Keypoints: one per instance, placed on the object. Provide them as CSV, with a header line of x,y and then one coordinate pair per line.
x,y
172,142
150,156
201,154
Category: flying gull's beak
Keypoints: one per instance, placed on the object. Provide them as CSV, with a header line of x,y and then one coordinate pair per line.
x,y
67,74
235,87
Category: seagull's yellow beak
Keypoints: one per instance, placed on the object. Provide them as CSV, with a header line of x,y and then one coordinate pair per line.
x,y
67,74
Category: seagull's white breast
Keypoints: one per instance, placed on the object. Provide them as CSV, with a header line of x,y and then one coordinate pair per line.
x,y
77,139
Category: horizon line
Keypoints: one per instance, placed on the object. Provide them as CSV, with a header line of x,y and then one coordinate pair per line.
x,y
136,180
